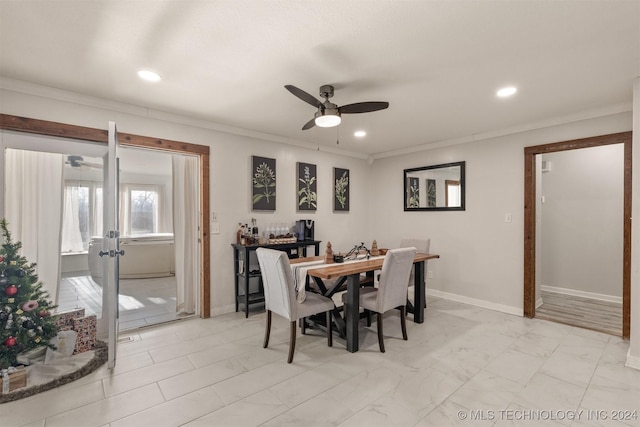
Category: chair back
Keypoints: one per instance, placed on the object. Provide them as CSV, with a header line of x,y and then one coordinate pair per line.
x,y
277,279
394,278
421,245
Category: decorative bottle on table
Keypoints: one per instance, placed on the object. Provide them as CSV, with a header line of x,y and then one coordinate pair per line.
x,y
328,254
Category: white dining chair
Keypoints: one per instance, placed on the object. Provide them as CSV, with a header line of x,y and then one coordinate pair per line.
x,y
391,291
421,245
280,296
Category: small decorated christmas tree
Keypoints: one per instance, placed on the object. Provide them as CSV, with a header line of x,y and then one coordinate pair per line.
x,y
25,311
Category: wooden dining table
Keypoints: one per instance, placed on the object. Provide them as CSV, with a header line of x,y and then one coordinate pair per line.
x,y
350,272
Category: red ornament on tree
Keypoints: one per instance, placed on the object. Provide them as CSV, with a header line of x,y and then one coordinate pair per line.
x,y
43,313
11,290
10,342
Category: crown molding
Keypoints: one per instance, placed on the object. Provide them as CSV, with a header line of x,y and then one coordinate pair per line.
x,y
20,86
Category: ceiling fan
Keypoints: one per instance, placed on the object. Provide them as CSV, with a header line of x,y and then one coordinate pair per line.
x,y
328,114
79,162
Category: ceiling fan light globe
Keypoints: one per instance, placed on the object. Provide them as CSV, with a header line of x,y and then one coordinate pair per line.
x,y
328,121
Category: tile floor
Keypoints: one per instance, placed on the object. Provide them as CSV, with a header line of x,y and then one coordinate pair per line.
x,y
464,366
143,302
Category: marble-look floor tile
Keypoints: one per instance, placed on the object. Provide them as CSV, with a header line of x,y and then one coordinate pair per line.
x,y
254,410
569,367
308,384
175,412
324,409
547,393
426,390
128,381
515,365
486,392
449,413
110,409
386,411
50,403
248,383
195,379
214,372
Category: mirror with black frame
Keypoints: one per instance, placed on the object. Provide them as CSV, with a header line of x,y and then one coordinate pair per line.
x,y
434,188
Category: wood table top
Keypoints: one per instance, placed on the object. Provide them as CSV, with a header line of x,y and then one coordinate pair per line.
x,y
337,270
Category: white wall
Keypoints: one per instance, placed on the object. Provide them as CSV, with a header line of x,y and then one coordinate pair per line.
x,y
633,357
481,254
230,184
582,220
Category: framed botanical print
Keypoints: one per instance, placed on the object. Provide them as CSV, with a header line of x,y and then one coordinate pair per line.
x,y
340,190
413,193
263,183
307,187
431,193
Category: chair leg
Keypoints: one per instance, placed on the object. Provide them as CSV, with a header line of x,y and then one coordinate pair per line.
x,y
368,318
292,341
267,330
329,331
380,339
303,326
403,321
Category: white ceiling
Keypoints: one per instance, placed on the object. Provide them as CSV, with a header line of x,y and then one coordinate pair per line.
x,y
438,63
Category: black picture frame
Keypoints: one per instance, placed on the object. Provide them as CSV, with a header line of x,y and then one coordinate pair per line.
x,y
307,188
341,184
431,193
263,183
412,192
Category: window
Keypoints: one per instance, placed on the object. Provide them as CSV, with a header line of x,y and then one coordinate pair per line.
x,y
82,216
144,210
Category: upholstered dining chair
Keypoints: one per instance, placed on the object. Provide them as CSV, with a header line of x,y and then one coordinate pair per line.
x,y
421,245
280,296
391,291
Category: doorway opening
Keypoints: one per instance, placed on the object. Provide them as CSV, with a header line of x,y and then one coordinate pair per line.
x,y
534,157
197,152
148,291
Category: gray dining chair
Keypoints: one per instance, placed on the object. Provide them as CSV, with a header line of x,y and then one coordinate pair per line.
x,y
280,296
421,245
391,291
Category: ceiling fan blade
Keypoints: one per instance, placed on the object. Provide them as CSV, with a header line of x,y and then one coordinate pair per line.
x,y
311,123
363,107
309,99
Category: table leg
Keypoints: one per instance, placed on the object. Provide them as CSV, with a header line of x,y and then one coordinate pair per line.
x,y
352,312
419,292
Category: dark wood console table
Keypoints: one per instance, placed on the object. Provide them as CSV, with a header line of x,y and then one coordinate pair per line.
x,y
247,270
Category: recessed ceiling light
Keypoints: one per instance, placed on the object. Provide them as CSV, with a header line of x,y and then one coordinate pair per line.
x,y
149,76
359,134
506,91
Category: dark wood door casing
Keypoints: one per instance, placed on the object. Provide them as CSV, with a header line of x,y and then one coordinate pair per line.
x,y
43,127
530,217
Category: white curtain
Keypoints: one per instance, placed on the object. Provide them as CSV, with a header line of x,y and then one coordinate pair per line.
x,y
33,209
71,236
125,210
185,229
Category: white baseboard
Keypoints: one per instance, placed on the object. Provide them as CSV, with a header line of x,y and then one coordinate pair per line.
x,y
632,361
583,294
477,302
223,310
538,302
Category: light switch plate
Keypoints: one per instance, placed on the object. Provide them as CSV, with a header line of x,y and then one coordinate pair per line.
x,y
215,228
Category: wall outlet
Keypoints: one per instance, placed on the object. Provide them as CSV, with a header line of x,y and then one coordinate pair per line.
x,y
507,217
429,274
